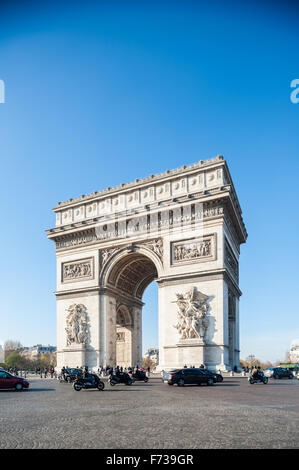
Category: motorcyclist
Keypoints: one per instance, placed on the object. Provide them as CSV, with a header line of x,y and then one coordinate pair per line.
x,y
260,372
254,372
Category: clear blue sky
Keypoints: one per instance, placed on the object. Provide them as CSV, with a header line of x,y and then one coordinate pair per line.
x,y
99,93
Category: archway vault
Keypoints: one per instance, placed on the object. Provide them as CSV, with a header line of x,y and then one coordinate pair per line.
x,y
127,274
131,271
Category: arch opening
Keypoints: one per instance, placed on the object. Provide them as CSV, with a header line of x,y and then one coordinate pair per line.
x,y
129,276
132,274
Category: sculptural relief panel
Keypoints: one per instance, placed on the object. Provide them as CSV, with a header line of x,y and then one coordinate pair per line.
x,y
77,270
192,309
188,251
77,328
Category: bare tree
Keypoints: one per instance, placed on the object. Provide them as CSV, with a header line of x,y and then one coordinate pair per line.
x,y
11,345
147,362
251,360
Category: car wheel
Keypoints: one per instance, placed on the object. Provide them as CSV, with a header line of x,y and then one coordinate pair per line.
x,y
290,376
276,376
77,387
210,382
129,382
181,383
112,383
146,380
101,386
19,387
169,383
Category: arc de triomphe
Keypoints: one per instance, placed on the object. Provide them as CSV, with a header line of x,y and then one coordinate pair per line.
x,y
182,228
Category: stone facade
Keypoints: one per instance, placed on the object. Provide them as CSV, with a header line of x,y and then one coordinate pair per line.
x,y
182,228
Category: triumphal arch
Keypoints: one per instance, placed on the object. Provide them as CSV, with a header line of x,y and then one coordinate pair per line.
x,y
183,229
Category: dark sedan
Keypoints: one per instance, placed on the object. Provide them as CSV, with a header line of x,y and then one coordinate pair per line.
x,y
166,374
216,377
9,381
194,376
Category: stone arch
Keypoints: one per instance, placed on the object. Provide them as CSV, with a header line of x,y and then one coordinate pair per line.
x,y
131,270
125,276
123,315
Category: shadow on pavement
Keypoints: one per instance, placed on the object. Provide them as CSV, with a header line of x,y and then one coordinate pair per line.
x,y
282,383
29,390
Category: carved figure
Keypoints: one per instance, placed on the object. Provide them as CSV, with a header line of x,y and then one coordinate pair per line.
x,y
192,251
77,324
76,270
192,312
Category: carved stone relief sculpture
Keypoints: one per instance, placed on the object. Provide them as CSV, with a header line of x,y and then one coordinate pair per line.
x,y
192,314
120,336
77,325
107,253
189,250
156,246
77,270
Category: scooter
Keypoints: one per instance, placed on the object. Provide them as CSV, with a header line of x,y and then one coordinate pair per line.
x,y
260,379
92,381
122,378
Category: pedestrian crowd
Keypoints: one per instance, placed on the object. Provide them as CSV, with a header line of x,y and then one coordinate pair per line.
x,y
41,371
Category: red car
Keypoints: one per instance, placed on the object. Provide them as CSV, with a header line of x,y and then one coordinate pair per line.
x,y
10,381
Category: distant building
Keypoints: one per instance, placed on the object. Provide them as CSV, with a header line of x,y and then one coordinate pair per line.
x,y
1,354
35,352
153,354
294,352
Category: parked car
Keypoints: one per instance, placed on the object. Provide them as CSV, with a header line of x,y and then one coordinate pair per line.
x,y
9,381
183,377
278,373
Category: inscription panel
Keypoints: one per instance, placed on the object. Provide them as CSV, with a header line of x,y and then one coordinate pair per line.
x,y
196,249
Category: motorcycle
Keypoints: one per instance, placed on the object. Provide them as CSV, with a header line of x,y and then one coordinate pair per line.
x,y
139,377
122,378
258,379
92,381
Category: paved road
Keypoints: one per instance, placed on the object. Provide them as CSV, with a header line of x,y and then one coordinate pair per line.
x,y
233,414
